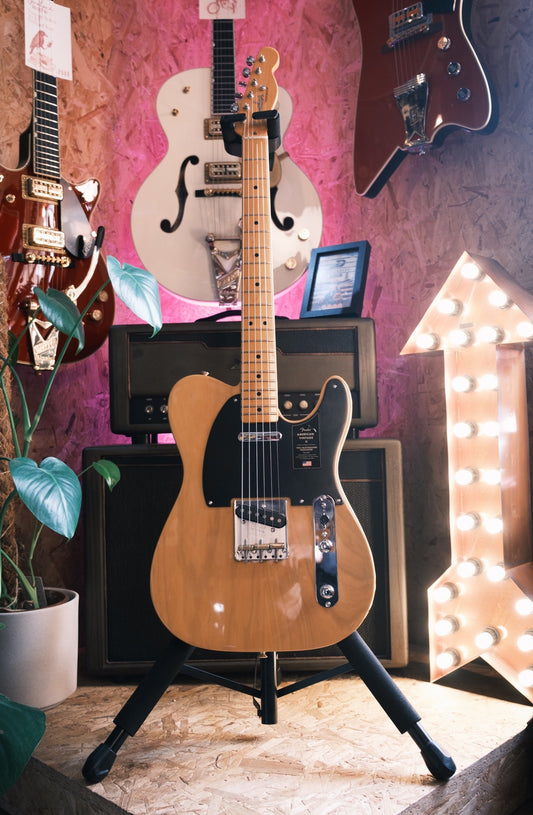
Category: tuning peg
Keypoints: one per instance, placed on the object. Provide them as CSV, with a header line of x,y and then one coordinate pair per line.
x,y
250,61
246,72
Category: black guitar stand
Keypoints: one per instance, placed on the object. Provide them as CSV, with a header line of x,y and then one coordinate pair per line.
x,y
173,660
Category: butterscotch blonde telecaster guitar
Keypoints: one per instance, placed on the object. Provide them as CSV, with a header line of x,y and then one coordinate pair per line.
x,y
261,551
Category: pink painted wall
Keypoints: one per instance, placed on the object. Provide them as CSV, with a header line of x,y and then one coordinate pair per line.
x,y
472,193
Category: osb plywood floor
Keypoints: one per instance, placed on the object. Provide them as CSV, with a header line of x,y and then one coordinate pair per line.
x,y
203,750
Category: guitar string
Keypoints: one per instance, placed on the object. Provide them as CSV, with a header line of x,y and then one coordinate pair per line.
x,y
262,461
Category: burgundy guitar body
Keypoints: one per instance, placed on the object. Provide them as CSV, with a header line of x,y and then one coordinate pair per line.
x,y
420,75
46,240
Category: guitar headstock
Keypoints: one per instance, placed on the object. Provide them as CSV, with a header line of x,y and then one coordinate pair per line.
x,y
261,89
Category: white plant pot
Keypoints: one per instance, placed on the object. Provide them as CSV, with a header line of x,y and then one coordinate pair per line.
x,y
39,652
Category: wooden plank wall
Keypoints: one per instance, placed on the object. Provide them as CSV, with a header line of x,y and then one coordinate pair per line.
x,y
473,193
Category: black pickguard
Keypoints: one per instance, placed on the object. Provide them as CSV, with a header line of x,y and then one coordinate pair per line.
x,y
300,466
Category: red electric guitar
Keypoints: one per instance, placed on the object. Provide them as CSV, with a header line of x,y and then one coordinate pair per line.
x,y
419,75
261,551
46,239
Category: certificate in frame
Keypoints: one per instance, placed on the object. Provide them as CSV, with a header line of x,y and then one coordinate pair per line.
x,y
336,281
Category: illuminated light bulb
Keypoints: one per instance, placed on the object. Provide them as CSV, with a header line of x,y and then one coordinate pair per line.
x,y
446,626
427,342
488,382
445,593
463,384
525,330
499,299
464,430
448,659
460,337
491,429
490,333
493,525
466,476
467,521
496,573
469,568
471,271
524,606
487,638
491,477
525,642
525,677
449,306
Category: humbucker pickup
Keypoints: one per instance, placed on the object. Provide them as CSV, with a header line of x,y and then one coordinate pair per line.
x,y
39,189
222,172
212,128
41,237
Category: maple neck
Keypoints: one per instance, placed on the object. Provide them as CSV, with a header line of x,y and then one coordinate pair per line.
x,y
45,127
223,75
259,385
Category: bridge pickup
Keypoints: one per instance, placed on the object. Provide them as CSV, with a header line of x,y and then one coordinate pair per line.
x,y
39,189
222,172
327,586
260,530
41,237
407,23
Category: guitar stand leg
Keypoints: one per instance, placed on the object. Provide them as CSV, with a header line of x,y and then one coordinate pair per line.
x,y
137,708
394,703
269,692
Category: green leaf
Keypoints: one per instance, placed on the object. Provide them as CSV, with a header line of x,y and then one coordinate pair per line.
x,y
21,730
59,309
108,470
138,289
52,492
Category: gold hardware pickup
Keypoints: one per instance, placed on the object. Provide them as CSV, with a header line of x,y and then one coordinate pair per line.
x,y
212,129
222,172
38,189
34,237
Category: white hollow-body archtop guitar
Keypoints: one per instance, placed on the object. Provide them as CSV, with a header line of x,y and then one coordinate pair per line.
x,y
261,550
185,218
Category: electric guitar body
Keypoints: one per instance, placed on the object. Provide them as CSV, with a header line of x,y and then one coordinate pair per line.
x,y
76,268
185,218
419,76
201,589
261,551
47,241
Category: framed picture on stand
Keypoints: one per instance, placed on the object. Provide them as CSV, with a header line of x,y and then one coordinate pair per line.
x,y
336,281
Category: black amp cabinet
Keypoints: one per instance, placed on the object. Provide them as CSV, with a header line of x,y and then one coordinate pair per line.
x,y
143,369
121,528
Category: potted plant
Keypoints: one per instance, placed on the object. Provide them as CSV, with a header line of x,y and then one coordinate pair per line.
x,y
51,491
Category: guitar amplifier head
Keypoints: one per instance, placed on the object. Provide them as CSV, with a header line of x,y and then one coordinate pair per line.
x,y
143,369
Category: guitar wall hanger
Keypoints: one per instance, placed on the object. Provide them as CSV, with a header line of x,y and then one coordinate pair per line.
x,y
233,140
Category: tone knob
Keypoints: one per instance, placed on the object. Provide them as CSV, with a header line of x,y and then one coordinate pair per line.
x,y
326,546
464,94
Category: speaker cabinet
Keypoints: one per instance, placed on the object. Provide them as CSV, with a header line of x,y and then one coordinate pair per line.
x,y
121,528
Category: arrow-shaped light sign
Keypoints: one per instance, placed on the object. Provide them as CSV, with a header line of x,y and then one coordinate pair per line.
x,y
483,604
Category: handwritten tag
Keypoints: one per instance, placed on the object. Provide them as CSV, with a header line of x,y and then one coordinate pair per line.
x,y
222,10
47,38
